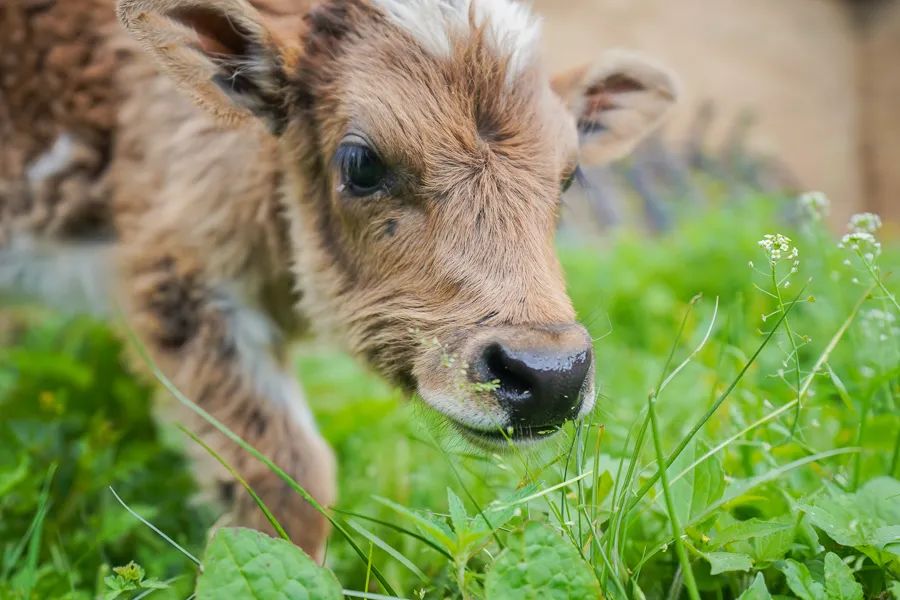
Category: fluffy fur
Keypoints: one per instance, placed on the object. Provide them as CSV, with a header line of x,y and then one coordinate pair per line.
x,y
229,242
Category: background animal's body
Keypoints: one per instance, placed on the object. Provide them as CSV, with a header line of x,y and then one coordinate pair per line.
x,y
184,229
214,235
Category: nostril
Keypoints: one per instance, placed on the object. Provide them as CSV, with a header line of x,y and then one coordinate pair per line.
x,y
503,369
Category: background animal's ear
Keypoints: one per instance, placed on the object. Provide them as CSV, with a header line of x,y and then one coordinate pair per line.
x,y
616,102
220,51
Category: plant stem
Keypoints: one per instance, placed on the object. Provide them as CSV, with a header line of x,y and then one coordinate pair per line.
x,y
877,279
686,570
794,350
711,411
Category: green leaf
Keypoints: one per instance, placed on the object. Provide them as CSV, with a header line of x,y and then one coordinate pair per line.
x,y
700,486
746,530
502,511
9,479
458,516
721,562
434,529
132,572
757,590
539,564
801,581
864,520
839,581
242,563
772,546
895,589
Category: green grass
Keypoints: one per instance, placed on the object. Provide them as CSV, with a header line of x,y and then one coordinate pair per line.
x,y
780,463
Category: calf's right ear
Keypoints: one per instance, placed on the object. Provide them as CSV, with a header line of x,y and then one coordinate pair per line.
x,y
219,51
616,101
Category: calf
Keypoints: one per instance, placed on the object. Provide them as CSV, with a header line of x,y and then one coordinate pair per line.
x,y
387,172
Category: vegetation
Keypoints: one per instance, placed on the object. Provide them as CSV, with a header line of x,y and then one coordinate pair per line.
x,y
765,376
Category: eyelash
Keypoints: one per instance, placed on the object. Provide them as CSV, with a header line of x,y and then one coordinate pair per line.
x,y
351,157
575,177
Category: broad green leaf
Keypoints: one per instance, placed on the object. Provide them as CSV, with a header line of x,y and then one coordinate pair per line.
x,y
539,564
839,581
722,562
801,581
746,530
887,538
757,590
895,589
699,487
242,563
772,546
860,520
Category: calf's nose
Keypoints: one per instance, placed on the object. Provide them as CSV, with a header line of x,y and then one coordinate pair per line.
x,y
537,386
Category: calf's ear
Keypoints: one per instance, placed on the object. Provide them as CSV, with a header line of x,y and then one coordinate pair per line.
x,y
616,102
220,51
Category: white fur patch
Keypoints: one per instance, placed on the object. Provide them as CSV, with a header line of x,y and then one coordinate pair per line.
x,y
510,25
72,277
464,411
54,161
256,338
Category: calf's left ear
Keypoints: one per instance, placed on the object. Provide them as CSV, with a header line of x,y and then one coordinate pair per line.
x,y
616,102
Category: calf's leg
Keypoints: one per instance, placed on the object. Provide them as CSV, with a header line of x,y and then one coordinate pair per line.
x,y
227,356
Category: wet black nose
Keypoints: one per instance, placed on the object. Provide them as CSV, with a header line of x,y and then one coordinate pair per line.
x,y
538,388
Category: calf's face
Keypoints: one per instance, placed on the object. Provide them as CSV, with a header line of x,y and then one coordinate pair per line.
x,y
425,152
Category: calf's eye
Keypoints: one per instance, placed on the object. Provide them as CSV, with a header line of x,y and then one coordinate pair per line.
x,y
362,172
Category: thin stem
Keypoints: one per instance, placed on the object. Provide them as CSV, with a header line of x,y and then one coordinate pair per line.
x,y
619,521
804,388
712,409
877,279
895,460
687,572
794,350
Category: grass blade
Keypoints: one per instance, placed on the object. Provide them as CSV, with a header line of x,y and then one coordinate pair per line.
x,y
399,528
683,559
156,530
394,553
237,476
227,432
712,409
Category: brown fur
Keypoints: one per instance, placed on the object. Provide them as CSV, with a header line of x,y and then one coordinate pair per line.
x,y
223,232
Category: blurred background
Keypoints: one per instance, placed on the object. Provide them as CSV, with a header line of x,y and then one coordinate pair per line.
x,y
779,95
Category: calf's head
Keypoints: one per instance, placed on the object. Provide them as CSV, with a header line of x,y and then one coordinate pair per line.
x,y
425,151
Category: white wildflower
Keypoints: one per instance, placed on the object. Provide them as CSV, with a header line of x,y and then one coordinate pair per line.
x,y
863,243
779,247
815,205
880,324
865,223
881,316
